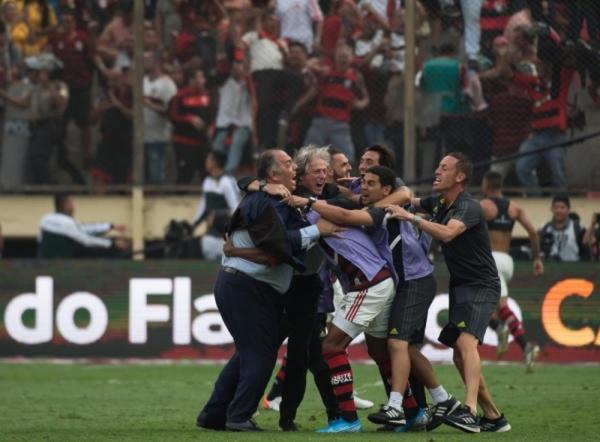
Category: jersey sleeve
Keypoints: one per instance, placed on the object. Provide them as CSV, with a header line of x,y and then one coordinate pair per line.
x,y
428,203
468,212
378,214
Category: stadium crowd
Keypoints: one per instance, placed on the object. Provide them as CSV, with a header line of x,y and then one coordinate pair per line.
x,y
241,77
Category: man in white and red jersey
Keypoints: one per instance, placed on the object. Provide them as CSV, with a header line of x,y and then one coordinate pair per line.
x,y
547,83
191,111
340,90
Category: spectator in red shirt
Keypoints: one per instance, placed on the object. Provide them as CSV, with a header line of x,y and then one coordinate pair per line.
x,y
112,164
191,112
340,91
75,48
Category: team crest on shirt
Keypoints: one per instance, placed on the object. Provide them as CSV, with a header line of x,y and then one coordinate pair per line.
x,y
439,206
347,83
79,45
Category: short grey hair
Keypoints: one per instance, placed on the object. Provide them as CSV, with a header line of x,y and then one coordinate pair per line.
x,y
305,156
266,164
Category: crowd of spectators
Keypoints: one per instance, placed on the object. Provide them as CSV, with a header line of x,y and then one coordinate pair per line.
x,y
241,76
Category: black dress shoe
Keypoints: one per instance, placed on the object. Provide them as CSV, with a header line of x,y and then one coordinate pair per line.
x,y
249,425
205,421
288,426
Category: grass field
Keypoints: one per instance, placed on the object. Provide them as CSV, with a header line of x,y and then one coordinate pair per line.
x,y
160,402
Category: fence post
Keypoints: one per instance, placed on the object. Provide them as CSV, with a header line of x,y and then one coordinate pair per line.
x,y
137,194
410,31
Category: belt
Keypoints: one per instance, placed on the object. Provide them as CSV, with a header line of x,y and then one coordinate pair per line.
x,y
232,271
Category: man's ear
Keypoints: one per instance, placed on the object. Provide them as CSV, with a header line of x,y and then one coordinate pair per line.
x,y
387,190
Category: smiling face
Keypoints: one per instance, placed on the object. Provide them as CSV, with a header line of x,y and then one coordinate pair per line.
x,y
560,212
369,159
371,189
285,172
447,175
315,176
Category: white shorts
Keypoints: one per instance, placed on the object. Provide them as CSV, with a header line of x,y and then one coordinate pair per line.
x,y
338,294
366,311
506,267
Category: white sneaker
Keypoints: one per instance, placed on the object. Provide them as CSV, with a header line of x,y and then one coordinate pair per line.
x,y
362,404
271,404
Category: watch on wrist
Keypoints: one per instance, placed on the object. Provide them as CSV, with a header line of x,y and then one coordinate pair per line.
x,y
417,220
261,185
311,201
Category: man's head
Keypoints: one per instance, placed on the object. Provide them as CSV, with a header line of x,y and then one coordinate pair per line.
x,y
297,55
312,165
492,182
10,12
454,170
340,166
195,78
447,49
67,20
343,57
151,61
377,183
561,206
125,8
215,163
500,46
237,70
376,155
275,166
270,23
63,203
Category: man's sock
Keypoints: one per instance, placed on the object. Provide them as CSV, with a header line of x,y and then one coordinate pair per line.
x,y
342,383
385,370
409,403
395,400
438,394
514,325
418,390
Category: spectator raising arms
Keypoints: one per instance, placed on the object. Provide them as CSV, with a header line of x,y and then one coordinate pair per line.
x,y
340,90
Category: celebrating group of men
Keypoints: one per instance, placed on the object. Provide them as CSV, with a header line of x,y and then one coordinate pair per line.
x,y
305,230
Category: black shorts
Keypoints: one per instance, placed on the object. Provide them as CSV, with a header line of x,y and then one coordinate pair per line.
x,y
78,107
409,310
471,308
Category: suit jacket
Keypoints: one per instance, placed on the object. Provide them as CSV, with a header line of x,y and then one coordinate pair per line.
x,y
273,226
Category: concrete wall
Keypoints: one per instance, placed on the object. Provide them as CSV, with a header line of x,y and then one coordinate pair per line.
x,y
19,215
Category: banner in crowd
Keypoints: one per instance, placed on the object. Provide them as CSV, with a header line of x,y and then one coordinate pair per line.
x,y
165,309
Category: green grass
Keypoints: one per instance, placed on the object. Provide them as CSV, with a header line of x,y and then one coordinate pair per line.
x,y
160,402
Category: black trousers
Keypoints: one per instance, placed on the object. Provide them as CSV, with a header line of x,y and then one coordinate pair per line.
x,y
301,327
267,85
319,369
45,138
252,313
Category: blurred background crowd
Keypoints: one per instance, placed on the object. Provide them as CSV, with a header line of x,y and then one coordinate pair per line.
x,y
495,77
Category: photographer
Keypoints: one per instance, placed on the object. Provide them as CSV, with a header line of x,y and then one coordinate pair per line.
x,y
591,238
563,237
